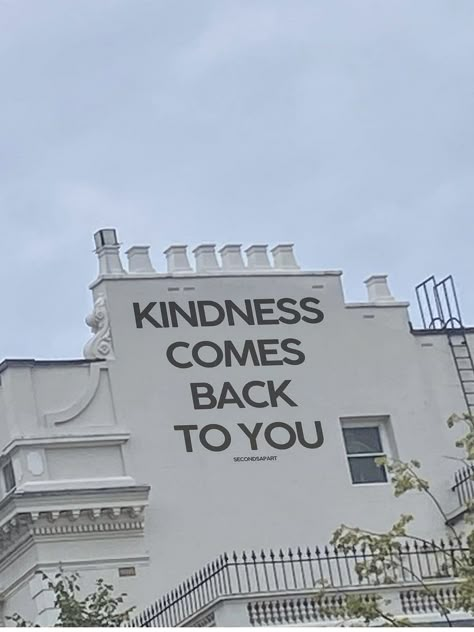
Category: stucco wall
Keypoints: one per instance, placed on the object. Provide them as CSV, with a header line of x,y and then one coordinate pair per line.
x,y
113,426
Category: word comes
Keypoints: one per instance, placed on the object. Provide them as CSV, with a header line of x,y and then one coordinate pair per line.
x,y
209,354
257,311
254,436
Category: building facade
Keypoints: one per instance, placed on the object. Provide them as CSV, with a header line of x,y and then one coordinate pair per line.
x,y
233,406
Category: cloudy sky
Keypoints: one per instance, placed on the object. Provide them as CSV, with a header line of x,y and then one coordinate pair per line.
x,y
345,126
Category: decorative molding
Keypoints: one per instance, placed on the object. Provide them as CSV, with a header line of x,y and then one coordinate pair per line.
x,y
67,522
68,529
68,414
224,274
377,305
99,347
208,621
77,440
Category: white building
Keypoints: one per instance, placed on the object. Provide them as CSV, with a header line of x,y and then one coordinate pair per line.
x,y
234,406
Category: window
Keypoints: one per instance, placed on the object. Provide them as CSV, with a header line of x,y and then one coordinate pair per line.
x,y
8,477
363,446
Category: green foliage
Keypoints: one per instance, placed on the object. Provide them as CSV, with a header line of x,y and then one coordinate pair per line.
x,y
467,441
100,608
385,561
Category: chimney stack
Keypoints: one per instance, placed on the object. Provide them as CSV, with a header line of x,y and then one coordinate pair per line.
x,y
206,260
139,260
231,257
257,258
107,249
378,290
284,258
177,259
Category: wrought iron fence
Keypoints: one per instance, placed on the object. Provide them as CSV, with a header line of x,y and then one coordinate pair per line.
x,y
302,570
464,485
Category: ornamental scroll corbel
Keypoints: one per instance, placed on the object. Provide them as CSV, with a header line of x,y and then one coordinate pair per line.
x,y
100,346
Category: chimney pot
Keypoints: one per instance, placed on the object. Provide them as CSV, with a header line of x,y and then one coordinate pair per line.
x,y
105,237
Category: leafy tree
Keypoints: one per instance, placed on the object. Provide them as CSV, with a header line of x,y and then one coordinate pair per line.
x,y
385,562
98,609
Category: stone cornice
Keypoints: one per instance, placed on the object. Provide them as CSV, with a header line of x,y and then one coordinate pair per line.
x,y
380,305
61,514
221,275
100,438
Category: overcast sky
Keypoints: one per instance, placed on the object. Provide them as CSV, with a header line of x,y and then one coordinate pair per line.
x,y
344,126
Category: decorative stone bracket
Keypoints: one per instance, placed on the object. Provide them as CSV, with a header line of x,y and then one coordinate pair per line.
x,y
99,347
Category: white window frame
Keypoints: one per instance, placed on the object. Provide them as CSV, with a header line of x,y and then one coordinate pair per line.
x,y
382,423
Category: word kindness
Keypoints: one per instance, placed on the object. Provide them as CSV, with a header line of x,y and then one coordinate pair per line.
x,y
256,311
261,352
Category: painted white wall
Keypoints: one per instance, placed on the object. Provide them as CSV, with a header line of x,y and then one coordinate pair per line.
x,y
110,424
203,502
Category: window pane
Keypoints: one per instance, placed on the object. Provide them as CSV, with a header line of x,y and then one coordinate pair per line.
x,y
365,470
362,440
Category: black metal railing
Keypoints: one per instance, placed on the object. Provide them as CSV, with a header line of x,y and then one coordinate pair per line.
x,y
438,304
464,485
301,570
